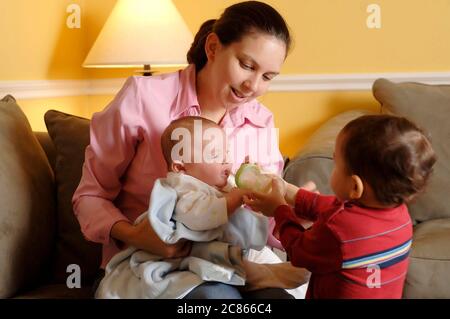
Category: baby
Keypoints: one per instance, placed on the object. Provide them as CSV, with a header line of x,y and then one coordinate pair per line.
x,y
359,243
199,173
196,201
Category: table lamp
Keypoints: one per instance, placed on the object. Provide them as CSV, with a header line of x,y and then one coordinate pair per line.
x,y
141,33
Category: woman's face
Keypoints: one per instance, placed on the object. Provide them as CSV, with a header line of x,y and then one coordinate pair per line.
x,y
243,70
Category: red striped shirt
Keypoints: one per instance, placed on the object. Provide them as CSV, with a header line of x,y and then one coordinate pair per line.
x,y
351,251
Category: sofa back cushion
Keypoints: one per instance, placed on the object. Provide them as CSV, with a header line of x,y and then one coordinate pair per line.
x,y
27,206
70,136
429,107
314,162
48,147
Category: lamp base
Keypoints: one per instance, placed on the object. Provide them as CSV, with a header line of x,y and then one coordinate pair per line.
x,y
146,71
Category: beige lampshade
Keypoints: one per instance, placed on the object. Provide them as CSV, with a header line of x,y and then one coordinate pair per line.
x,y
141,32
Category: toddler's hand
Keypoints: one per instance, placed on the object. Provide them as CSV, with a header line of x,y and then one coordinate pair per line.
x,y
310,186
267,203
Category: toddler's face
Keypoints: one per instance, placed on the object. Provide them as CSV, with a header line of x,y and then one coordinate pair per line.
x,y
341,180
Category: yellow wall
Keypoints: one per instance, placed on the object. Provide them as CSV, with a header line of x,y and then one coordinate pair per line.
x,y
83,106
298,115
36,108
330,36
35,44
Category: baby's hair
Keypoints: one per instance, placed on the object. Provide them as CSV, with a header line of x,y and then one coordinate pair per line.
x,y
391,154
186,122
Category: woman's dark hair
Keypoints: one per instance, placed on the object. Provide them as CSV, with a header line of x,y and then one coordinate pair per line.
x,y
235,22
391,154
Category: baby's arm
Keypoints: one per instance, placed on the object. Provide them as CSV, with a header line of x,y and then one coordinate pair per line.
x,y
235,198
200,210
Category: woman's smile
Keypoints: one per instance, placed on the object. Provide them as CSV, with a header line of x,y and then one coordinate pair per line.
x,y
238,96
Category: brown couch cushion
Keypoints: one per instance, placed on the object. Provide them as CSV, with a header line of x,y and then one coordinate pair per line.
x,y
429,107
428,274
70,135
48,147
27,212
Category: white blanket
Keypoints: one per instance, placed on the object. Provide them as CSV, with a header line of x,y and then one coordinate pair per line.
x,y
216,254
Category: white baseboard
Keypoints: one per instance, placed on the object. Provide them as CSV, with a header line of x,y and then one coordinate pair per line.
x,y
283,83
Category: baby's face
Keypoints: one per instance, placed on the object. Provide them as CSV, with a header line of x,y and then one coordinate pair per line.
x,y
214,174
213,169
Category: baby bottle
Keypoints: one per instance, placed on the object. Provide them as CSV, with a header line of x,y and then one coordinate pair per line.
x,y
249,176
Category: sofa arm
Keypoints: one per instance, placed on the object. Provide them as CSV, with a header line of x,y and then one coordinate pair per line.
x,y
314,162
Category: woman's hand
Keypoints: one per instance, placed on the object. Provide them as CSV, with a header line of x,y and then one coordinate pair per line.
x,y
143,236
268,203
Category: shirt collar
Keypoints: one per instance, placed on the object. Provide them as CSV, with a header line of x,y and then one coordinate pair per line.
x,y
187,92
250,112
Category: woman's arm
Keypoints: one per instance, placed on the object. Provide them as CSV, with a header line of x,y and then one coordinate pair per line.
x,y
114,136
143,236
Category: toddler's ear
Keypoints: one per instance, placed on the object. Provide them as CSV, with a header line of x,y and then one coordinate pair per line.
x,y
177,166
357,189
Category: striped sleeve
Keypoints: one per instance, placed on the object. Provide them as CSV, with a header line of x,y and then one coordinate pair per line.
x,y
309,204
316,249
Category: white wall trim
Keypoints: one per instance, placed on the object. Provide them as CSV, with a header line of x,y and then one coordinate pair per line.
x,y
284,83
350,82
35,89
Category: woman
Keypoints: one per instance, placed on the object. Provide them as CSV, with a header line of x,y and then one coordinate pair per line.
x,y
232,61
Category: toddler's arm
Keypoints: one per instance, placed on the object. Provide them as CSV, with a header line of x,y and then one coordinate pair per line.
x,y
316,249
291,190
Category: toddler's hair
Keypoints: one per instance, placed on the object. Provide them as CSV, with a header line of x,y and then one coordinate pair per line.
x,y
187,122
391,154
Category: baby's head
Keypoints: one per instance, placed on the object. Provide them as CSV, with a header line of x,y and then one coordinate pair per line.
x,y
197,147
381,161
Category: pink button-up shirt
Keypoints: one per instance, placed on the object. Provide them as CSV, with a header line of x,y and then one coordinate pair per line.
x,y
124,157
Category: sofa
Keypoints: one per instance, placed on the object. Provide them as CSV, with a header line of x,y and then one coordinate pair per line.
x,y
43,253
429,106
42,250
